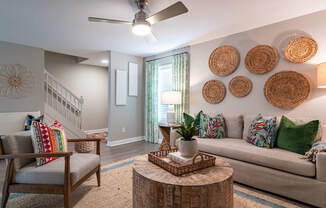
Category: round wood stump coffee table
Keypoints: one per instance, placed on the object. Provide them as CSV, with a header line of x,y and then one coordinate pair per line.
x,y
207,188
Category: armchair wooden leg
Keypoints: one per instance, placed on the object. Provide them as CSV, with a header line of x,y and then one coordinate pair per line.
x,y
98,175
5,196
7,182
67,184
67,199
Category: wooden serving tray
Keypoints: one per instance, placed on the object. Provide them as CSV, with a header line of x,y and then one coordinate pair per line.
x,y
177,169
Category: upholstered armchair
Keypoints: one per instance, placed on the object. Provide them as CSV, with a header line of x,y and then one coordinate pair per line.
x,y
61,176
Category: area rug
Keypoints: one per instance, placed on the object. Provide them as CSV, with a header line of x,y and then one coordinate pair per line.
x,y
116,192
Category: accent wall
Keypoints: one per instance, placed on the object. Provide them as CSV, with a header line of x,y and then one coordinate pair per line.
x,y
276,35
33,59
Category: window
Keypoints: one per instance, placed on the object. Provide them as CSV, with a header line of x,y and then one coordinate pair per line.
x,y
164,84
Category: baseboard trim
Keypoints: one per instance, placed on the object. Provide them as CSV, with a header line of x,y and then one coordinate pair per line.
x,y
125,141
95,131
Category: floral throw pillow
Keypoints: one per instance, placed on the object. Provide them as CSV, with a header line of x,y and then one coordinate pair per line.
x,y
212,127
262,133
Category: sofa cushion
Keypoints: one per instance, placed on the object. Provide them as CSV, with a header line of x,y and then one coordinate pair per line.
x,y
233,125
272,158
19,142
53,172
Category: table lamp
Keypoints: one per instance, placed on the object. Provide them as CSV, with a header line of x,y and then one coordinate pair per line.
x,y
171,98
321,75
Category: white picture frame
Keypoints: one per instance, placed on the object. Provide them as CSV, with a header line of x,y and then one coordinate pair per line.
x,y
121,87
133,79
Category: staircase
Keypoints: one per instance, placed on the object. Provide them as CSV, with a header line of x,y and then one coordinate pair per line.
x,y
63,105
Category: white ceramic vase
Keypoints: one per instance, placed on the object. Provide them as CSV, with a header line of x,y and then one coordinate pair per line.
x,y
188,148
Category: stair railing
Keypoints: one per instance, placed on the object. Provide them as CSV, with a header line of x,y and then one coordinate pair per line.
x,y
62,100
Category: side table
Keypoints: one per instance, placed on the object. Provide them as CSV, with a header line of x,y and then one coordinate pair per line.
x,y
165,129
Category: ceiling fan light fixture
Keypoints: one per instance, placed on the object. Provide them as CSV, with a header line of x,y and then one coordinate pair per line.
x,y
141,29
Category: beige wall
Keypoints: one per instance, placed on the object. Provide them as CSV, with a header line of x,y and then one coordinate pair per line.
x,y
33,59
91,82
131,116
255,102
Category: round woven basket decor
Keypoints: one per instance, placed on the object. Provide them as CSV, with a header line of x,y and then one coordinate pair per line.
x,y
240,86
213,91
300,49
224,60
287,89
261,59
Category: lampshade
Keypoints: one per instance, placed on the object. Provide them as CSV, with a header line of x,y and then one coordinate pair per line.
x,y
171,97
321,75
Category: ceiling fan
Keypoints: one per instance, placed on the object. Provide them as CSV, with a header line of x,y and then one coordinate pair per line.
x,y
141,25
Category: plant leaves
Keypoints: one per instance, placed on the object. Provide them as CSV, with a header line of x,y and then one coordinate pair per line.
x,y
188,119
197,119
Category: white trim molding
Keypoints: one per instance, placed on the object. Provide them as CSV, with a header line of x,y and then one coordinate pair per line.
x,y
95,131
125,141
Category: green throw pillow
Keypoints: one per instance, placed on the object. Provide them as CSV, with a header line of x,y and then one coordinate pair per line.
x,y
296,138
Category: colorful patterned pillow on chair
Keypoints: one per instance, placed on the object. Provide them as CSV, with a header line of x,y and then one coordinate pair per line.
x,y
262,133
60,136
29,119
43,141
212,127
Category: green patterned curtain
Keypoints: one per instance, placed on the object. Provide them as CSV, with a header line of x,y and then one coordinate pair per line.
x,y
151,102
180,82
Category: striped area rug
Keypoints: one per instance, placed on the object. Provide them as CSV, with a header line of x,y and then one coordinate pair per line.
x,y
116,192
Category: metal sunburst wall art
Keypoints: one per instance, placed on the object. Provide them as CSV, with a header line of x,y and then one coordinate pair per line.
x,y
16,81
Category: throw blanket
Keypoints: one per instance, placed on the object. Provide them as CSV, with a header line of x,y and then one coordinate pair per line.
x,y
315,149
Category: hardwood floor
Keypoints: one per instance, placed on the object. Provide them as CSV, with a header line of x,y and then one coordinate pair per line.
x,y
122,152
109,154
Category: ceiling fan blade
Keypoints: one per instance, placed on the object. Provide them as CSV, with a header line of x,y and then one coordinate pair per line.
x,y
95,19
172,11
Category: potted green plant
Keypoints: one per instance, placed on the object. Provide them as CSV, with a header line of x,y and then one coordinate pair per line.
x,y
188,145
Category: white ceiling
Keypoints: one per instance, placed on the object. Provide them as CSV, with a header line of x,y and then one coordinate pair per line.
x,y
62,26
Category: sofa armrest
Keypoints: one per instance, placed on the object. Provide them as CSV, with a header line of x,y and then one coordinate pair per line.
x,y
321,166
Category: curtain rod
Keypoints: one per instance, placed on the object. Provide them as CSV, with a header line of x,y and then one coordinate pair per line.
x,y
155,59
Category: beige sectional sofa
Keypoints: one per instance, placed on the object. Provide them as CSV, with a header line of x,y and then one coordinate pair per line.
x,y
274,170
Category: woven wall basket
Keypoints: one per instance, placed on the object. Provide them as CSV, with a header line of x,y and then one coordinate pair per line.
x,y
287,89
240,86
224,60
213,91
300,49
261,59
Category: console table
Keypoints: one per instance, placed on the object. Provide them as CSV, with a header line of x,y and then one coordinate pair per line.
x,y
165,131
154,187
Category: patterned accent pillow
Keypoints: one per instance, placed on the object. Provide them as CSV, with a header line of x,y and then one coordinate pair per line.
x,y
29,119
271,128
60,136
212,127
43,141
262,133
